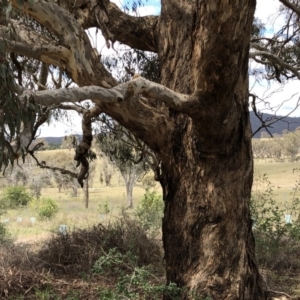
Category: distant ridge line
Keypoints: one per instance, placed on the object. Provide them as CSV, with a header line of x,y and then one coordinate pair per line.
x,y
288,123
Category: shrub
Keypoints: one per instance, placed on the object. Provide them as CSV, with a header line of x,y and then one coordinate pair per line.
x,y
78,250
3,230
150,212
277,241
133,281
149,182
45,207
14,197
103,208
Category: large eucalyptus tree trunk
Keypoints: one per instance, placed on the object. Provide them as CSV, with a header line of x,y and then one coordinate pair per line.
x,y
207,170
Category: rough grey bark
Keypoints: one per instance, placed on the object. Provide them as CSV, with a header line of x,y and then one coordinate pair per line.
x,y
207,175
201,133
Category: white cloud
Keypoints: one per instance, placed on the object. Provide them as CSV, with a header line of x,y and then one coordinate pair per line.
x,y
277,98
265,9
62,127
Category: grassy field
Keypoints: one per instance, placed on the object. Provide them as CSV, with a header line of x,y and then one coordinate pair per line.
x,y
72,211
282,175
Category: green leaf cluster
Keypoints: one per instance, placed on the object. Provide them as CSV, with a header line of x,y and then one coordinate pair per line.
x,y
14,113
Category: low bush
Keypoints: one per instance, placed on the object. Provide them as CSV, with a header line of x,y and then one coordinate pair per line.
x,y
277,239
77,250
150,212
14,197
45,207
133,281
71,266
4,235
103,208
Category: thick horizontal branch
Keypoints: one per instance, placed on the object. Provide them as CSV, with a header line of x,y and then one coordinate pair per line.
x,y
142,86
123,103
124,91
50,54
275,59
136,32
83,63
55,97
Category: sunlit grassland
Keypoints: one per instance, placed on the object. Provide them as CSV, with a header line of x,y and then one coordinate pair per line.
x,y
282,175
72,211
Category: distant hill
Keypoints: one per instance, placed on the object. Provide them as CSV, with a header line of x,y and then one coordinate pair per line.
x,y
57,140
53,140
288,123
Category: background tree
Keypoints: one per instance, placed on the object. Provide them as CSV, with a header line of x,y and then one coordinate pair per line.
x,y
92,171
106,172
68,142
16,176
40,181
291,144
64,160
119,145
26,175
195,119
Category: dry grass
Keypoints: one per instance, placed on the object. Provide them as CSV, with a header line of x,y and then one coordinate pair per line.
x,y
281,175
72,211
62,266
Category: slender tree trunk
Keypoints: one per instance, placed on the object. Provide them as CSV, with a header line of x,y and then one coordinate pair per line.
x,y
129,183
129,190
75,189
91,182
207,171
86,194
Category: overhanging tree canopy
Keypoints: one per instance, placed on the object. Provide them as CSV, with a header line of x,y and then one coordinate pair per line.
x,y
195,120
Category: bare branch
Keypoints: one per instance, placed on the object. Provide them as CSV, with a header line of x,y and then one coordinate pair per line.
x,y
44,166
53,97
141,86
291,6
275,59
268,122
137,86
